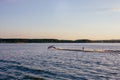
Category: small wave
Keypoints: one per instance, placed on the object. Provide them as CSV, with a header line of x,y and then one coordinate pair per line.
x,y
25,69
29,70
28,77
6,77
13,62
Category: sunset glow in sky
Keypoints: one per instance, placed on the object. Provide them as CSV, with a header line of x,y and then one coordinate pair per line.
x,y
60,19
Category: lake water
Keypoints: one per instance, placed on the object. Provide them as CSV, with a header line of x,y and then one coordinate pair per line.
x,y
33,61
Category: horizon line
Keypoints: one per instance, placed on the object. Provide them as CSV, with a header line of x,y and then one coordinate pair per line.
x,y
61,39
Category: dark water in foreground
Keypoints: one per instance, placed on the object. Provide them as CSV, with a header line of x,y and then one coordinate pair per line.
x,y
35,62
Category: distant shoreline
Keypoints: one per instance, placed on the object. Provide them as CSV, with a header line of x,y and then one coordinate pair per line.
x,y
56,41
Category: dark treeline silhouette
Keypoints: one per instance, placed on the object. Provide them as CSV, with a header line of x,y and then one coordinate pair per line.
x,y
56,41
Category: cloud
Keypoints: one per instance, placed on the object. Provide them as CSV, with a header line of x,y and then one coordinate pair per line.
x,y
116,9
104,9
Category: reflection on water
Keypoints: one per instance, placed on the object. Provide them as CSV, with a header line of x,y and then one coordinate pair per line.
x,y
36,62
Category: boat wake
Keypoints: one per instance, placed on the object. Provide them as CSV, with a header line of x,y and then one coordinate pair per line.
x,y
84,50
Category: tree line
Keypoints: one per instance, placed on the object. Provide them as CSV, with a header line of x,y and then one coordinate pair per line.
x,y
56,41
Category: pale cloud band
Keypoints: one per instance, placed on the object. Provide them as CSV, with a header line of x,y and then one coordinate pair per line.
x,y
116,9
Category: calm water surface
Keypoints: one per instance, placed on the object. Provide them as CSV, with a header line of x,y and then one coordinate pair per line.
x,y
36,62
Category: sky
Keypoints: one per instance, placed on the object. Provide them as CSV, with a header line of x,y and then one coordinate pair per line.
x,y
60,19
